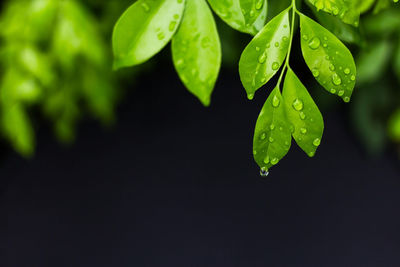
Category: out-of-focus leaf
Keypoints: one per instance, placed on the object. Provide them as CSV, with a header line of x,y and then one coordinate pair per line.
x,y
382,24
394,126
372,62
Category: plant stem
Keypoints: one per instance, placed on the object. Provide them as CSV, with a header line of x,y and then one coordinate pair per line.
x,y
286,66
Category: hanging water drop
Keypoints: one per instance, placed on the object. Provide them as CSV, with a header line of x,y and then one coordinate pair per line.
x,y
317,142
264,172
336,80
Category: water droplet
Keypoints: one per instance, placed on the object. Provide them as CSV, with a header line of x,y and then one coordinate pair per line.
x,y
160,36
274,161
353,78
263,136
331,67
275,66
257,48
311,154
264,172
266,160
252,13
305,37
275,101
317,142
250,96
336,80
172,25
272,127
205,42
271,140
341,92
298,104
284,38
315,73
259,4
346,71
180,63
346,99
262,58
145,7
333,91
263,80
314,43
277,44
302,115
303,130
176,16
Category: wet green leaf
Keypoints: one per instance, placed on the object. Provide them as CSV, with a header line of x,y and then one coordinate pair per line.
x,y
265,54
272,136
196,50
303,114
144,29
247,16
346,10
328,58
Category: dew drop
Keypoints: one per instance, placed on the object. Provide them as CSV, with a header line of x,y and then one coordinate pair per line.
x,y
145,7
271,140
302,116
346,99
333,91
266,160
272,127
172,25
346,71
303,130
341,92
250,96
264,172
317,142
336,80
315,73
275,66
259,4
257,48
262,58
298,104
277,44
314,43
263,136
275,101
274,161
353,78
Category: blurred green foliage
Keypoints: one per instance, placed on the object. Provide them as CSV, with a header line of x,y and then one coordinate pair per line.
x,y
54,59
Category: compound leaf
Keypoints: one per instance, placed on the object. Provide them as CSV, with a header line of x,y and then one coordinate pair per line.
x,y
303,114
265,54
196,50
144,29
272,137
247,16
328,58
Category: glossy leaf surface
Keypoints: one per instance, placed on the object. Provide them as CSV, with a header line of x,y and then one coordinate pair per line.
x,y
328,58
196,50
346,10
247,16
272,137
144,29
303,114
265,54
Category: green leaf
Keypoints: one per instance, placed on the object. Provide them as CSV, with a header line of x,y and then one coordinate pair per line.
x,y
328,58
196,50
272,136
346,10
265,54
303,114
394,126
144,29
247,16
18,129
372,61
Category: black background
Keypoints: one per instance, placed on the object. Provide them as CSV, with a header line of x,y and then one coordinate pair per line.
x,y
174,184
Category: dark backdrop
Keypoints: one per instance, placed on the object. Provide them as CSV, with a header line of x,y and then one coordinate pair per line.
x,y
174,184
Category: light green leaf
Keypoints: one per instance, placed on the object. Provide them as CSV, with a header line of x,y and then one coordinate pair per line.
x,y
328,58
247,16
396,63
394,126
303,114
346,10
18,129
144,29
265,54
196,50
272,136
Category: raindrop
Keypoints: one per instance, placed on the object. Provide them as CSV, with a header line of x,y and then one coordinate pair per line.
x,y
263,136
271,140
346,99
315,73
172,25
259,4
272,127
302,116
264,172
275,66
257,48
346,71
336,80
298,104
250,96
314,43
275,101
317,142
145,7
341,92
262,58
303,130
274,161
353,78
